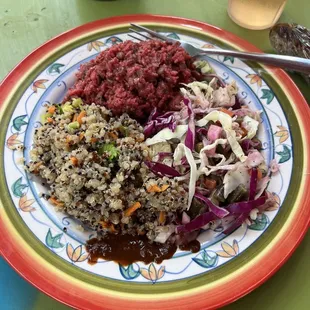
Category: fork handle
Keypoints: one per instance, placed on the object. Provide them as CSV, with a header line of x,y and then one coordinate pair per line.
x,y
287,62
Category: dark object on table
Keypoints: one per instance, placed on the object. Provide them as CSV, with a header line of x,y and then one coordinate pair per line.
x,y
291,39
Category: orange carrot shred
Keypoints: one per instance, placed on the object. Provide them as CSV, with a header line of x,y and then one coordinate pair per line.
x,y
81,136
209,183
68,139
80,116
226,111
36,167
112,135
132,209
51,109
244,132
162,217
154,189
164,187
259,174
56,202
112,228
93,140
49,120
104,224
74,160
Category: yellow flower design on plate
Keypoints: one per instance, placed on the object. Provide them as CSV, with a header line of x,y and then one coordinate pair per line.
x,y
12,142
152,273
229,250
255,79
95,45
26,204
282,133
38,84
76,255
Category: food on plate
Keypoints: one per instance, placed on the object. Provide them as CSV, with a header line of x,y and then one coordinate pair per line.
x,y
135,78
148,188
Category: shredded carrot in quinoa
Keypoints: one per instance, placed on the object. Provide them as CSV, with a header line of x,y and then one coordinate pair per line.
x,y
80,116
56,202
51,109
132,209
112,135
164,187
36,167
81,136
162,217
68,140
74,160
156,189
109,226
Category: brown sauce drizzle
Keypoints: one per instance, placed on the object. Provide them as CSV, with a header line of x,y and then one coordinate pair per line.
x,y
127,249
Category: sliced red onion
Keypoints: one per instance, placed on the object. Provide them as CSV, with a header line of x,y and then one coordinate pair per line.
x,y
154,114
157,122
246,206
235,224
162,155
218,211
253,183
248,144
184,161
190,135
196,223
237,104
162,170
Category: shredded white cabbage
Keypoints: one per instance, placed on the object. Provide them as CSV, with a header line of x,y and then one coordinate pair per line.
x,y
167,134
226,122
234,178
204,158
251,125
179,152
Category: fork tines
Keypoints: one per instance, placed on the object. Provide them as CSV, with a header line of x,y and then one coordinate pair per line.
x,y
151,33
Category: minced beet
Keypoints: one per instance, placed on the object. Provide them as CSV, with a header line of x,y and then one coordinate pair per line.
x,y
135,77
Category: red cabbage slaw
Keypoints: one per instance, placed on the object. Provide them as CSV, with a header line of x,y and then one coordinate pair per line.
x,y
215,136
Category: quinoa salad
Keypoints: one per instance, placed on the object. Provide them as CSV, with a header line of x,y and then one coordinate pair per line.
x,y
147,174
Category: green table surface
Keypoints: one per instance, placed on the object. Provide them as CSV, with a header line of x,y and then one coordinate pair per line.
x,y
26,24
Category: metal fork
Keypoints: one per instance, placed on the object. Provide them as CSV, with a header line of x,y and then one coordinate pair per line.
x,y
286,62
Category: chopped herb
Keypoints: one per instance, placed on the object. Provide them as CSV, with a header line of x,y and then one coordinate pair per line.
x,y
110,149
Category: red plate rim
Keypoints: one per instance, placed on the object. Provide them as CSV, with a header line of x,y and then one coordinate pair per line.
x,y
285,244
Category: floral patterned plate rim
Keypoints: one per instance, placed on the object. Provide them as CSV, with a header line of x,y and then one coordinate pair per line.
x,y
33,241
